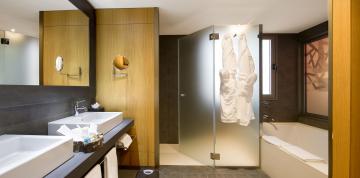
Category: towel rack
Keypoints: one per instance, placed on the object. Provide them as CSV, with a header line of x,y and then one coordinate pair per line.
x,y
133,137
73,76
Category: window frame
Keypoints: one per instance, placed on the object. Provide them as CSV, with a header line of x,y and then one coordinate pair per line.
x,y
273,82
304,113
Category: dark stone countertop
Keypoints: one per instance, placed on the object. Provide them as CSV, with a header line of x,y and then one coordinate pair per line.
x,y
78,165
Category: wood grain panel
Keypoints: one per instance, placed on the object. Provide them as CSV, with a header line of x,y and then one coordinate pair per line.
x,y
341,88
137,94
65,18
65,35
355,90
126,16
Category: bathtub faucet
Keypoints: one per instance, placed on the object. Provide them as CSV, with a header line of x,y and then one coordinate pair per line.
x,y
269,119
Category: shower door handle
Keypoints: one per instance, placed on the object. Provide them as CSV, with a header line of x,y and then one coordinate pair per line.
x,y
182,94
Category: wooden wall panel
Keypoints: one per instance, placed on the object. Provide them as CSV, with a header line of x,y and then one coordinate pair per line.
x,y
346,86
126,16
135,95
66,34
65,18
355,90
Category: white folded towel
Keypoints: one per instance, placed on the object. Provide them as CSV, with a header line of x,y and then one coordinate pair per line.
x,y
301,153
274,140
111,164
124,141
94,172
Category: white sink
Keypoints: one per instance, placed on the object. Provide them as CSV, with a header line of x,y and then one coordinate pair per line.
x,y
105,121
32,156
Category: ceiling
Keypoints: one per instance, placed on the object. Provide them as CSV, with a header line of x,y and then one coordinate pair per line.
x,y
188,16
184,16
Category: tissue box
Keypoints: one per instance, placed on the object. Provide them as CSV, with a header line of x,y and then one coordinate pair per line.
x,y
100,109
90,147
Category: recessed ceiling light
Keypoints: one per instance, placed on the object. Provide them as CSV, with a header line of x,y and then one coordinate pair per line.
x,y
12,30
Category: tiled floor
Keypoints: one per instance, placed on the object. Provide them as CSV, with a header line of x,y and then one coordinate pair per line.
x,y
170,155
174,164
195,172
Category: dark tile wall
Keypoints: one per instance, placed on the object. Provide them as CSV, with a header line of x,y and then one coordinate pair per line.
x,y
28,109
286,107
168,100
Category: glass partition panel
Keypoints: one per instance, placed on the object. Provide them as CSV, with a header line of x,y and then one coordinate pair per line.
x,y
237,141
196,101
19,60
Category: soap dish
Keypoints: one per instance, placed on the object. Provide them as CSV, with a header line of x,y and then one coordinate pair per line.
x,y
90,147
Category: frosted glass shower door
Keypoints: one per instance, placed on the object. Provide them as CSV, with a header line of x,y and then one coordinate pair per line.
x,y
196,102
237,145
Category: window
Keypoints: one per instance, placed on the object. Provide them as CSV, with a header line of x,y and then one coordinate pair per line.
x,y
268,68
316,76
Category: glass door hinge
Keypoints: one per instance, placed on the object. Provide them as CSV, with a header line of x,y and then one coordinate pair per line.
x,y
215,156
214,36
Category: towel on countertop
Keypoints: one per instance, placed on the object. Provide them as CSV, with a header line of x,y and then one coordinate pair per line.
x,y
94,172
111,164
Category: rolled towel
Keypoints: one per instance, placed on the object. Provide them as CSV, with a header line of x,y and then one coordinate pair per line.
x,y
111,164
124,141
94,172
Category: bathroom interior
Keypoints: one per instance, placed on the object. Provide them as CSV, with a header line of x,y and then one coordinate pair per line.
x,y
179,89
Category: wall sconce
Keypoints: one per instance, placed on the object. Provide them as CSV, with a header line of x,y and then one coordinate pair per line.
x,y
120,63
59,66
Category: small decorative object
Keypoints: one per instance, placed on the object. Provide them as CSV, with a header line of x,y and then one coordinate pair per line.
x,y
86,139
59,66
89,146
120,63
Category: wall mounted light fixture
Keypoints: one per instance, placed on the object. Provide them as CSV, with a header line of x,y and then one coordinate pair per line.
x,y
120,63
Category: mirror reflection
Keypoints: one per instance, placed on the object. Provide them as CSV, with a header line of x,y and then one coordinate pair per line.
x,y
43,43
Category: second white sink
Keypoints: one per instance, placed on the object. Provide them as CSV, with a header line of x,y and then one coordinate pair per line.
x,y
32,156
105,121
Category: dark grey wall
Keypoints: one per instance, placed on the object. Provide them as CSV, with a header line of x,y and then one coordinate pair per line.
x,y
28,109
168,100
286,107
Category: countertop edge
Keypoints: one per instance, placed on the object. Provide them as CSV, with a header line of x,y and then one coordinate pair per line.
x,y
78,165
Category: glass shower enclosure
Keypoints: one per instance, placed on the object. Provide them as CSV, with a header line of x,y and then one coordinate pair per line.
x,y
202,133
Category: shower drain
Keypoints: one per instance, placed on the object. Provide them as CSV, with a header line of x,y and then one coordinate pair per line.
x,y
148,171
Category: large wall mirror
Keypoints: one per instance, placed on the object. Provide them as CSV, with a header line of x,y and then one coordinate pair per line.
x,y
44,42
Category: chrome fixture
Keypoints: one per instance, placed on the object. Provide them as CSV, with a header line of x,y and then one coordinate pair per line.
x,y
59,66
77,107
269,119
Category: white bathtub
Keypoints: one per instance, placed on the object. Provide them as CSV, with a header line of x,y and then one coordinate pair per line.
x,y
280,164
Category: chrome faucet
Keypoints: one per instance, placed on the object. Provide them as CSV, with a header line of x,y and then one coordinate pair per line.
x,y
77,107
269,119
